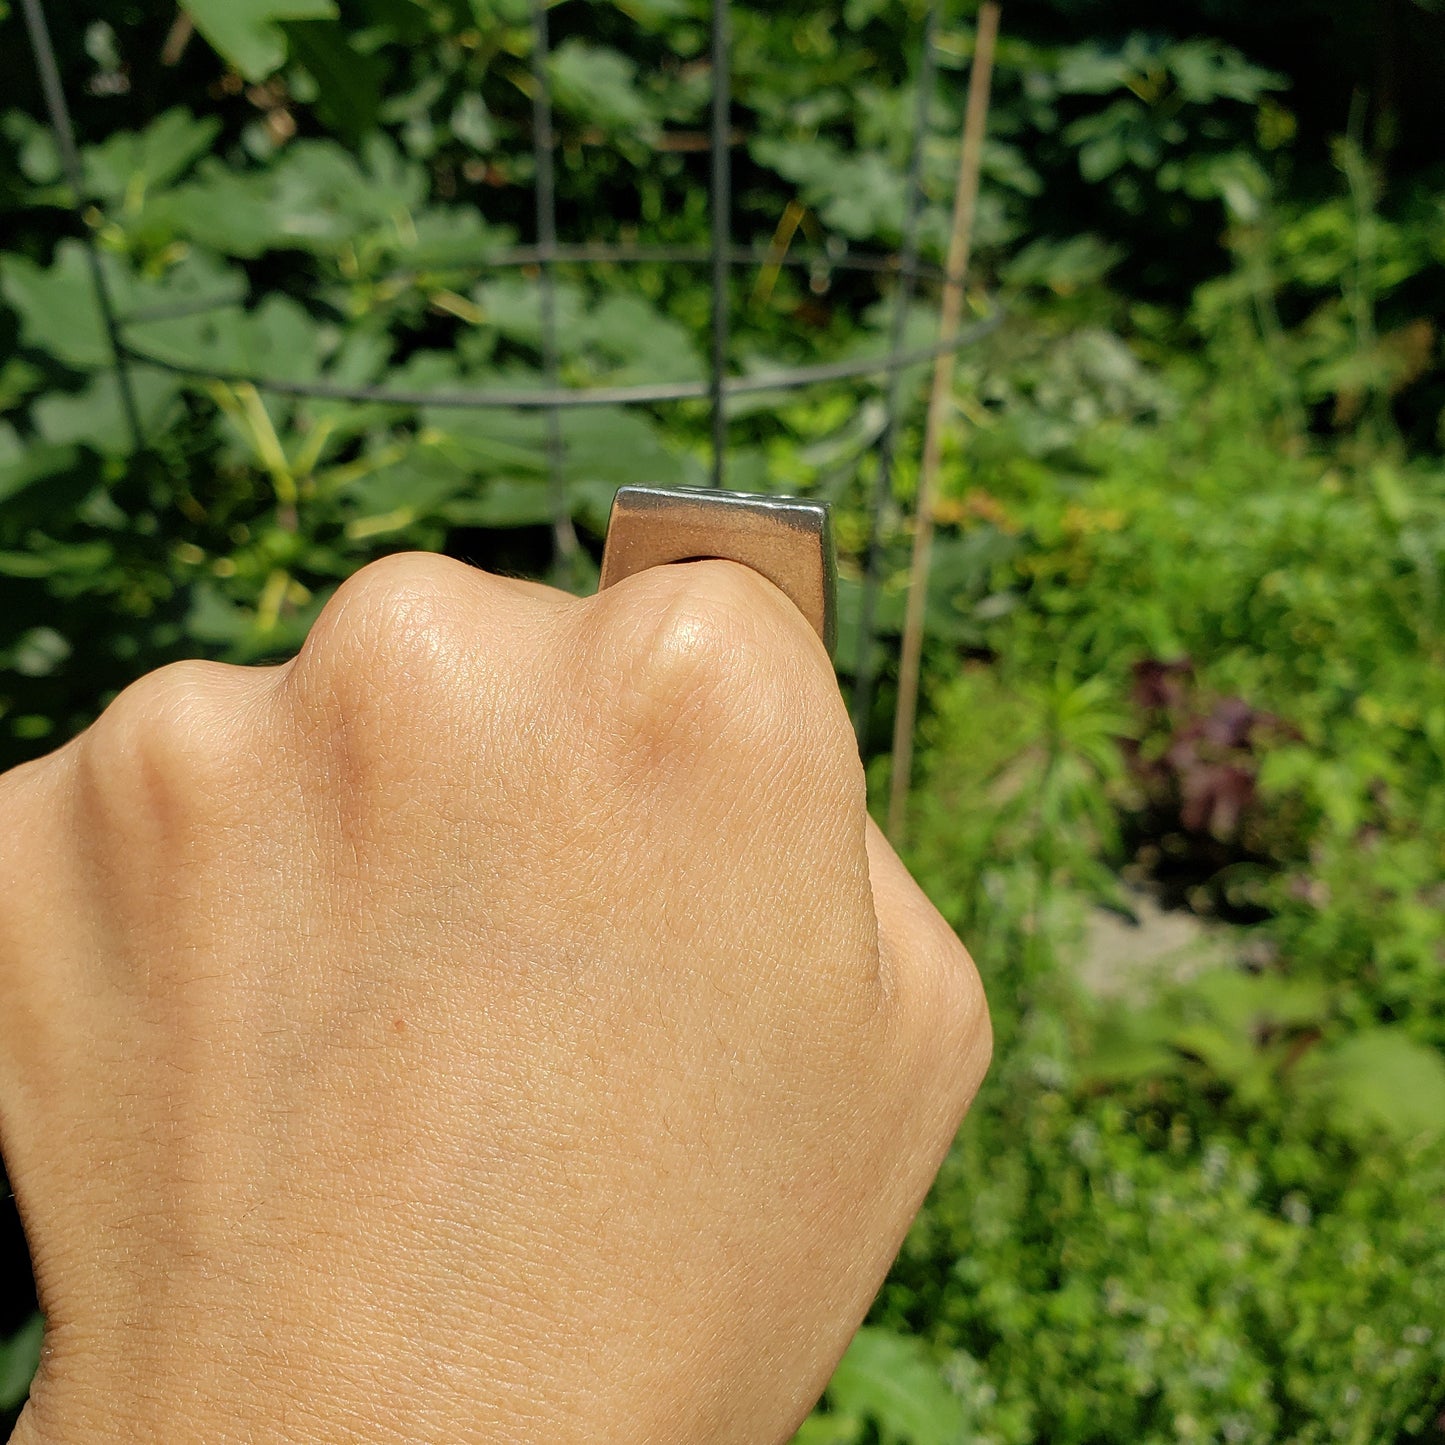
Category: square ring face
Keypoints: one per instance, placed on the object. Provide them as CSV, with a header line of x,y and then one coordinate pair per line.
x,y
786,539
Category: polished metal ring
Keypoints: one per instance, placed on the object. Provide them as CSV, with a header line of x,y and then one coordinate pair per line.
x,y
786,539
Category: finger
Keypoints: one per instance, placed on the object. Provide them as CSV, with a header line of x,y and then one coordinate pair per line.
x,y
928,974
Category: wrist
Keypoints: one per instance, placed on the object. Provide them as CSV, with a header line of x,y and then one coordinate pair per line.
x,y
223,1393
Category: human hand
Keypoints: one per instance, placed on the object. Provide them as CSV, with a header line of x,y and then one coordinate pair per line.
x,y
501,1023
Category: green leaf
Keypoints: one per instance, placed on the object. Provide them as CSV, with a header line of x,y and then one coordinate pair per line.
x,y
504,502
443,238
1250,1003
599,85
317,198
19,1359
279,339
214,618
37,653
1132,1043
607,445
418,484
1092,70
348,82
246,32
491,13
71,559
1230,1055
126,165
472,123
512,305
39,482
36,152
830,1430
618,447
235,214
59,312
1235,177
487,441
1064,267
656,15
860,194
1112,138
95,416
57,305
1380,1081
890,1380
1205,70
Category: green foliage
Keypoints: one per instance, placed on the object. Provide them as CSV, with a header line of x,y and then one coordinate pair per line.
x,y
1113,1272
890,1382
1206,1210
1142,138
248,33
19,1356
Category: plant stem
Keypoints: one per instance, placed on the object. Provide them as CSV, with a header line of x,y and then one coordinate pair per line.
x,y
965,205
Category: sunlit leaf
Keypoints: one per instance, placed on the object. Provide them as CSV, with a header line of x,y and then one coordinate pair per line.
x,y
889,1380
601,85
128,164
1382,1081
247,33
97,417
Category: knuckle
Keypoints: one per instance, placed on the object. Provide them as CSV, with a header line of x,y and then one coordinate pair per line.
x,y
707,658
386,647
691,651
413,668
953,1008
162,717
394,619
167,744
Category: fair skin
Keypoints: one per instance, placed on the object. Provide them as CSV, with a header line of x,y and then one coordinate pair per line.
x,y
501,1023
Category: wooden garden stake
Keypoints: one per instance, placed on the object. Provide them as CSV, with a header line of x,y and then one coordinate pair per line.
x,y
965,205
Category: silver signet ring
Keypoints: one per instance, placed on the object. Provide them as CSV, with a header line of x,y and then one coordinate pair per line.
x,y
788,540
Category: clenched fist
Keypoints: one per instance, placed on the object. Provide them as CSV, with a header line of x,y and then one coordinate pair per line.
x,y
500,1023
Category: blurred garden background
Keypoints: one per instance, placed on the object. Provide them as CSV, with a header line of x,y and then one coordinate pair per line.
x,y
1181,774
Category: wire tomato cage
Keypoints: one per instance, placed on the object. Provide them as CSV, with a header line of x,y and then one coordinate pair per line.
x,y
721,255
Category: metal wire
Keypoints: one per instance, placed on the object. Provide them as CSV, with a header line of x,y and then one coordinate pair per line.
x,y
863,672
541,398
60,123
600,253
719,224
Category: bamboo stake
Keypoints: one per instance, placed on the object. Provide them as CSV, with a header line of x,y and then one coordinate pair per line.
x,y
965,206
